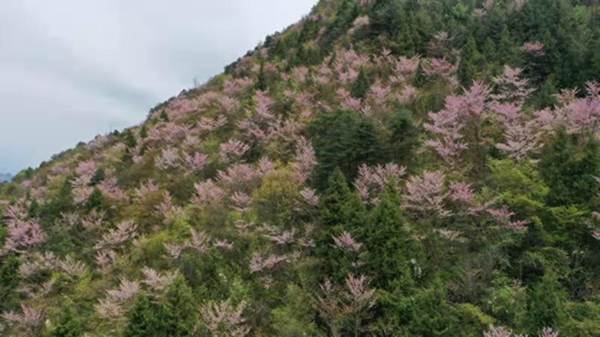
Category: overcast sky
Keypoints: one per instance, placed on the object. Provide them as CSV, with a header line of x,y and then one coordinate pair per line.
x,y
72,69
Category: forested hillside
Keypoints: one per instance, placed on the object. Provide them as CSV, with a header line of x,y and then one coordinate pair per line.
x,y
381,168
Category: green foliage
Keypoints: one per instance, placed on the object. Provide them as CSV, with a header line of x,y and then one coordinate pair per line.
x,y
507,302
346,141
164,116
95,201
98,177
547,304
340,211
144,131
63,202
9,280
178,317
403,136
361,86
276,197
297,317
68,325
142,320
570,173
430,314
389,244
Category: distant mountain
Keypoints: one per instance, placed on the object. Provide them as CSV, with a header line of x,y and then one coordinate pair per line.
x,y
5,177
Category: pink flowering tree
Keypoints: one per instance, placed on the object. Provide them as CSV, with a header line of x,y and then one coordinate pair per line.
x,y
427,194
233,150
23,233
223,319
116,237
344,310
372,181
459,126
260,122
511,86
29,322
521,135
306,159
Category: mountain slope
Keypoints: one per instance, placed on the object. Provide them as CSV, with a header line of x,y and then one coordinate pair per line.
x,y
381,168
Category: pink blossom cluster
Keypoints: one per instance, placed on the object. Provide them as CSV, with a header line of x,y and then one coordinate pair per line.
x,y
427,194
23,233
259,123
233,150
306,159
30,320
347,243
372,181
225,319
263,262
157,281
447,125
534,48
125,231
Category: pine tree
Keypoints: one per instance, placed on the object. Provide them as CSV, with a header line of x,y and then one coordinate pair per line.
x,y
95,201
9,280
261,81
68,324
98,177
129,139
388,243
569,174
361,86
547,304
144,131
470,62
141,321
178,316
164,116
344,140
340,211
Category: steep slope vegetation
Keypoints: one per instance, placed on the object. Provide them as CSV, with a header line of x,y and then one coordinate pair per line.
x,y
381,168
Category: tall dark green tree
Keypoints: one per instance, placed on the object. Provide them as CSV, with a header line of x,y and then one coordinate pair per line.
x,y
547,305
340,210
361,86
95,201
388,243
164,116
141,321
68,325
178,315
403,137
344,140
570,172
9,280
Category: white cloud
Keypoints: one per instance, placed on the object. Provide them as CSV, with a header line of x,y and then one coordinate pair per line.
x,y
71,69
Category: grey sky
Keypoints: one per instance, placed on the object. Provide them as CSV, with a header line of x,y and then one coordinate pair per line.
x,y
71,69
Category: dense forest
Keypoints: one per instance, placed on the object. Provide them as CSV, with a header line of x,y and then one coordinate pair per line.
x,y
381,168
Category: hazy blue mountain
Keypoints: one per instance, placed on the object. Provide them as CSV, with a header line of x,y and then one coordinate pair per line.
x,y
5,177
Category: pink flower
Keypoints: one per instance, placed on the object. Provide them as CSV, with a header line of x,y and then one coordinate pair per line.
x,y
346,243
461,192
233,150
534,48
224,319
306,159
372,181
426,194
169,159
207,192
